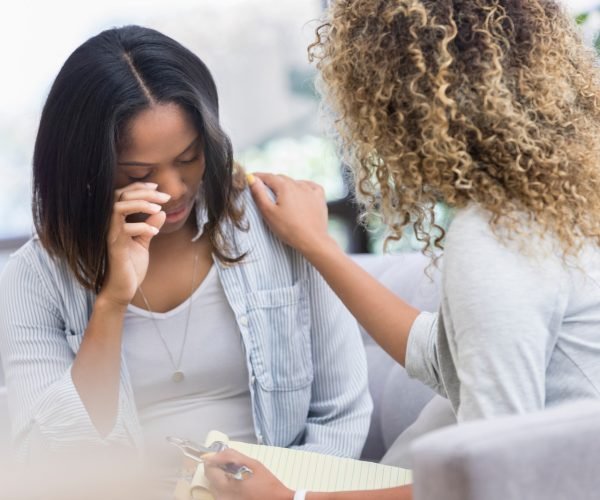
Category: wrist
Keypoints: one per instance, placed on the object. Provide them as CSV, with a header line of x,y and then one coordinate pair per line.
x,y
323,249
108,304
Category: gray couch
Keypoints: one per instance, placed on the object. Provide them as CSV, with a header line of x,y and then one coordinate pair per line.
x,y
550,455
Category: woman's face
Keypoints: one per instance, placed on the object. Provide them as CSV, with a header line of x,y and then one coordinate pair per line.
x,y
163,146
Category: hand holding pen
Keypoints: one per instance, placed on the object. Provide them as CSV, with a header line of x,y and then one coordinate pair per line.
x,y
196,452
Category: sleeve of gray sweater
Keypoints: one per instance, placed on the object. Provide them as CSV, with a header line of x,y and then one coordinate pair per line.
x,y
502,306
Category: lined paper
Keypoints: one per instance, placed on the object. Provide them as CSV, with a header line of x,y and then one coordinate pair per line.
x,y
308,470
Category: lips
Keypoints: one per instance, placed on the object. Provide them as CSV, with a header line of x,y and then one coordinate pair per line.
x,y
175,210
177,213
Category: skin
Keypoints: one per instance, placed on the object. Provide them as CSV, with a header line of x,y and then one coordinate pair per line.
x,y
159,172
262,484
387,318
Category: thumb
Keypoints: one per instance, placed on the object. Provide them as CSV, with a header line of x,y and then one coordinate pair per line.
x,y
260,193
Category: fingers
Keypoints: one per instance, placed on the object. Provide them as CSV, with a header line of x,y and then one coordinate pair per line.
x,y
135,229
262,197
150,226
139,191
220,480
135,186
145,231
298,216
137,212
280,184
125,208
227,456
144,194
157,220
274,181
139,200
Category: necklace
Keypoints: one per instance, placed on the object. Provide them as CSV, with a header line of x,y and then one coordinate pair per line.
x,y
178,374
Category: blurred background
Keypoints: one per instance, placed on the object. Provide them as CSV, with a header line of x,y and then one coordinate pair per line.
x,y
256,50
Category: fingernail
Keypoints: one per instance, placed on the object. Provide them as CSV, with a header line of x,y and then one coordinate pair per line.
x,y
156,207
152,185
154,229
251,179
164,196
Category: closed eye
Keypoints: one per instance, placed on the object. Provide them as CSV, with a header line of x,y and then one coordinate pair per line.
x,y
137,179
191,160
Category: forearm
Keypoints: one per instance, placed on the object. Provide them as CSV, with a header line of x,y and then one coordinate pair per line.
x,y
96,369
400,493
387,318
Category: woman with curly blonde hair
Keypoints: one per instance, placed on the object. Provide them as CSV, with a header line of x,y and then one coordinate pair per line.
x,y
491,107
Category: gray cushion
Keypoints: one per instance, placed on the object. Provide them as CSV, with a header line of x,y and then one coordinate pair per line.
x,y
435,415
397,399
402,401
548,455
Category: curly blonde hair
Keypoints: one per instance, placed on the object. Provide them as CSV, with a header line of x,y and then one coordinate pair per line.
x,y
495,102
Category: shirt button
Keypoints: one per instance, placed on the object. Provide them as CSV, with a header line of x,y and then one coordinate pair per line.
x,y
244,320
253,379
259,439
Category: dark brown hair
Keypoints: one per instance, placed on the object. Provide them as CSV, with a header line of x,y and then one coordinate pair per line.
x,y
100,88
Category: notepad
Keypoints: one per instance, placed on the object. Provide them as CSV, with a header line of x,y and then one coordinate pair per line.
x,y
299,469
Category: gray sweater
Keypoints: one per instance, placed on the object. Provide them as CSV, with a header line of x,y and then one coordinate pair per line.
x,y
517,331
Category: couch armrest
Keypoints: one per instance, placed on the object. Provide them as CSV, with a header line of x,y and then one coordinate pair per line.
x,y
548,455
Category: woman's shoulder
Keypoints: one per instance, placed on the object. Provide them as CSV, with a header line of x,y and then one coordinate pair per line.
x,y
31,253
469,222
33,261
470,238
264,249
27,255
473,233
256,226
476,252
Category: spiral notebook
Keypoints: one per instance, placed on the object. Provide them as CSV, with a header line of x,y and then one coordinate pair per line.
x,y
299,469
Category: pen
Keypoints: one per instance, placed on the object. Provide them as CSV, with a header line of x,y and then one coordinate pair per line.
x,y
197,451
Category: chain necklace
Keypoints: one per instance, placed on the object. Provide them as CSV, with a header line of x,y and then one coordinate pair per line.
x,y
178,374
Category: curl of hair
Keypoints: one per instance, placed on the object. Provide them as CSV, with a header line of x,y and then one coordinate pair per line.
x,y
495,102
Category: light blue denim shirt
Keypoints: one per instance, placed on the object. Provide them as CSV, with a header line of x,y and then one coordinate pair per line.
x,y
304,355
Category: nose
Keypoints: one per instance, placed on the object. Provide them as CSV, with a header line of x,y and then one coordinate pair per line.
x,y
170,181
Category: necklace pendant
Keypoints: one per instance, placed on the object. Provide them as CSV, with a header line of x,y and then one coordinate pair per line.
x,y
177,376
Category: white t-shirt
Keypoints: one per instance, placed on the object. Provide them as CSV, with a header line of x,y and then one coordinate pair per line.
x,y
518,327
215,391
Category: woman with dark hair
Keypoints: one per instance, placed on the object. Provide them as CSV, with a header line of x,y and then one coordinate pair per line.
x,y
153,300
491,107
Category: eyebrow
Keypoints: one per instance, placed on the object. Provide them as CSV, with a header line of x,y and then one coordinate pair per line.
x,y
142,164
